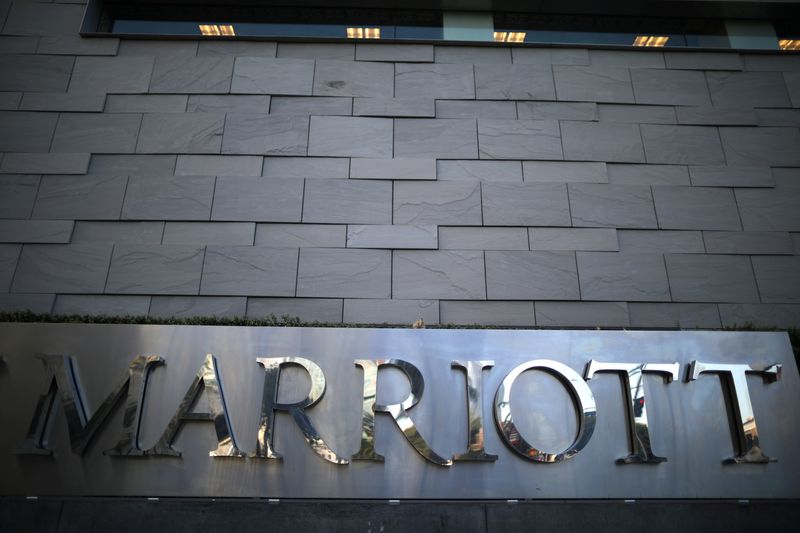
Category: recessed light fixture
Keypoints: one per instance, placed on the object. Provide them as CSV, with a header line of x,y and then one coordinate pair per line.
x,y
363,33
650,40
509,36
789,44
213,30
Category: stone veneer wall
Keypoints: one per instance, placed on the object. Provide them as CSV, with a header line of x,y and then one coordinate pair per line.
x,y
370,183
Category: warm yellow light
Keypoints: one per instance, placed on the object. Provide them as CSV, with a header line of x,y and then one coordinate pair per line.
x,y
363,33
509,36
500,36
789,44
227,29
650,40
210,30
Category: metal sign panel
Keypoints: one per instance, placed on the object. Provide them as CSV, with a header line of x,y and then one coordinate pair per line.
x,y
141,410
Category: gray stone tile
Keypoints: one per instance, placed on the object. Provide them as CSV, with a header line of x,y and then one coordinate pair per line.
x,y
777,117
146,165
512,275
118,232
11,101
191,306
456,238
627,58
411,236
479,170
342,51
593,84
444,202
748,242
301,235
487,313
731,176
703,60
158,48
147,269
258,75
306,309
168,198
496,81
768,209
237,48
586,239
709,208
582,314
438,274
249,270
99,305
796,241
344,273
228,233
761,146
670,315
563,172
228,103
616,206
262,134
670,87
614,276
350,137
219,165
77,45
257,199
185,133
143,103
428,80
661,241
348,78
764,315
9,254
518,139
711,278
716,116
602,141
778,278
16,44
111,75
525,204
97,133
63,102
769,62
306,167
311,105
418,53
406,312
393,169
38,231
489,109
348,202
28,18
394,107
550,56
472,54
71,268
636,114
38,163
26,132
747,89
35,303
557,110
792,80
440,138
648,174
17,195
35,73
687,145
97,196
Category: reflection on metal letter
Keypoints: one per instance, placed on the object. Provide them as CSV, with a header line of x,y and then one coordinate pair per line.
x,y
743,420
475,444
207,378
580,392
269,404
632,376
62,384
398,411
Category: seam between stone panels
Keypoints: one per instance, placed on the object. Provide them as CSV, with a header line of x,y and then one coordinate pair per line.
x,y
480,197
153,70
211,207
122,204
563,155
16,267
721,146
641,138
485,278
394,89
69,80
738,211
108,270
313,81
755,278
391,215
52,135
139,133
569,209
308,135
202,269
655,211
391,277
578,274
303,206
528,236
474,84
163,231
703,238
36,196
297,272
719,313
666,273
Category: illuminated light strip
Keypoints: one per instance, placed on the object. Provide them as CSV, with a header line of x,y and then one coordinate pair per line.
x,y
363,33
651,40
212,30
509,36
789,44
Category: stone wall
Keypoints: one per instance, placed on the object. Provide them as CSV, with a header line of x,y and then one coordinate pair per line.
x,y
375,183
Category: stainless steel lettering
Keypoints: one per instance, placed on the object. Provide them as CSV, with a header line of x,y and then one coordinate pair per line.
x,y
206,378
632,377
580,393
398,411
475,440
269,404
742,417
